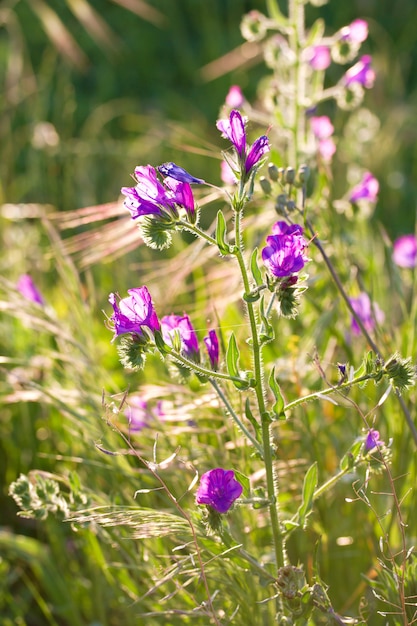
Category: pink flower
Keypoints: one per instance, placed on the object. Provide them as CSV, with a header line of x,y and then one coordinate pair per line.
x,y
367,189
327,148
368,312
226,174
318,57
234,98
356,32
405,251
321,126
28,289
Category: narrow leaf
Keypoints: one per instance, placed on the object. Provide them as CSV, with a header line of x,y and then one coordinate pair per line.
x,y
256,272
232,356
309,487
252,420
221,234
278,407
244,481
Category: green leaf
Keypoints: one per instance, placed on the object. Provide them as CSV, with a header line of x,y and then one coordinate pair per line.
x,y
221,234
232,361
268,331
252,420
256,272
244,481
309,487
316,33
278,407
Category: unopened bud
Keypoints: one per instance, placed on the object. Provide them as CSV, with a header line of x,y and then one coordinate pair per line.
x,y
290,206
273,171
303,173
265,185
290,175
281,204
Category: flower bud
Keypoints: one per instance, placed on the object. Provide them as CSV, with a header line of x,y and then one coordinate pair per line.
x,y
289,175
265,185
281,204
303,173
273,171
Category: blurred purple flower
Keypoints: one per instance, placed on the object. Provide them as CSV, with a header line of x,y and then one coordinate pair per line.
x,y
226,174
326,149
171,324
356,32
360,73
285,252
140,415
179,173
212,345
234,130
28,289
318,57
235,98
405,251
218,489
321,126
369,313
367,189
372,440
133,312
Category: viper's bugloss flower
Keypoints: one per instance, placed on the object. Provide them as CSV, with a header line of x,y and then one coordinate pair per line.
x,y
405,251
234,129
356,32
372,440
361,73
321,126
140,414
179,173
212,345
367,189
234,98
368,312
285,253
183,194
181,325
218,489
318,57
134,312
28,289
226,174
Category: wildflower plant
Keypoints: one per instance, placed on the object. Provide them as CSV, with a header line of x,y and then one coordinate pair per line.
x,y
280,156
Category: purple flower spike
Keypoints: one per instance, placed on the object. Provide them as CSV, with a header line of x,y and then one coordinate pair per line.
x,y
259,148
219,489
285,253
181,324
179,173
367,189
212,345
405,251
369,313
372,440
28,289
131,313
361,73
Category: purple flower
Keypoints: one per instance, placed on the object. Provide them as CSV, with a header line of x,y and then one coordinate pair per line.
x,y
356,32
318,57
28,289
326,149
234,130
140,414
372,440
148,196
133,312
183,194
172,324
367,189
369,313
219,489
179,173
234,98
361,73
285,253
212,345
405,251
226,174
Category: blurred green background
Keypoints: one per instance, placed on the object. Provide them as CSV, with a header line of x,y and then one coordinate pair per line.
x,y
85,97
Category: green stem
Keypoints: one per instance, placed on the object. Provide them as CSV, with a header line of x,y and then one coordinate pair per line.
x,y
272,486
235,418
198,369
192,228
326,392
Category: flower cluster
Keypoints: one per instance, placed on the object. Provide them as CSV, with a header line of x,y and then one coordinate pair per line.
x,y
131,314
234,129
